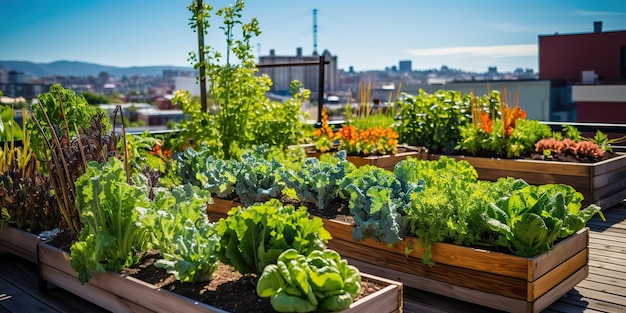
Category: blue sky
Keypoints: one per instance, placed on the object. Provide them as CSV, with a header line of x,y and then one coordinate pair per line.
x,y
369,35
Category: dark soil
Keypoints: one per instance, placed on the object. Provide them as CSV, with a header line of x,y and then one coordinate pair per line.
x,y
229,290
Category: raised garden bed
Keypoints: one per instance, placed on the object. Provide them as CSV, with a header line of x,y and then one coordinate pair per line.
x,y
119,293
19,242
383,161
498,280
602,183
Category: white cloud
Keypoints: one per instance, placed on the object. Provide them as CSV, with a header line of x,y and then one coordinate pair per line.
x,y
479,51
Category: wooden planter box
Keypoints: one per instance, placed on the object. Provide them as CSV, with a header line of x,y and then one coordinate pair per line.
x,y
19,242
383,161
118,293
602,183
501,281
220,208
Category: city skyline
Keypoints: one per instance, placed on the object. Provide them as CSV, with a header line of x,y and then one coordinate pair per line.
x,y
467,35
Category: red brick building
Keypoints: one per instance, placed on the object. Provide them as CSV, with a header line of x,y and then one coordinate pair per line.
x,y
592,69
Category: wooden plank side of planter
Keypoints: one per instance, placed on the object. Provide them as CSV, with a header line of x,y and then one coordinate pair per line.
x,y
111,290
442,253
561,252
452,275
89,292
476,296
219,208
388,299
541,286
19,242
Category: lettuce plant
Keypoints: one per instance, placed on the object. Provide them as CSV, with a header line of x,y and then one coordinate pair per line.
x,y
532,218
320,281
253,237
110,238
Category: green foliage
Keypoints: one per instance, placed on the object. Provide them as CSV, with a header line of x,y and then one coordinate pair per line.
x,y
433,120
321,281
252,238
110,237
94,98
199,129
532,218
66,111
521,142
10,130
317,182
258,180
449,207
377,199
281,124
182,232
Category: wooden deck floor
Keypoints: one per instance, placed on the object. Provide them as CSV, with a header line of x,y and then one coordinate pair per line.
x,y
604,290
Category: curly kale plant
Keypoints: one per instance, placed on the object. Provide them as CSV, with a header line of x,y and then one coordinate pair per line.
x,y
377,199
318,182
258,180
252,238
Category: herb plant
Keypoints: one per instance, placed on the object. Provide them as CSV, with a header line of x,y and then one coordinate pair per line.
x,y
433,120
377,199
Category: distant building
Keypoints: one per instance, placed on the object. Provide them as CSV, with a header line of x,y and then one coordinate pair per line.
x,y
309,74
588,73
405,66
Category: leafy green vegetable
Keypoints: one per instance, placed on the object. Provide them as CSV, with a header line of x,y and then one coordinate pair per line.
x,y
321,281
532,218
434,120
253,237
258,180
377,199
110,237
180,229
318,182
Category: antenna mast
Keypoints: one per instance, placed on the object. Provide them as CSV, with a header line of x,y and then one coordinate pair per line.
x,y
314,31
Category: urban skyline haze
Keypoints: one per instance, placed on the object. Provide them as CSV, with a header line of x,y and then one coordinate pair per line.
x,y
365,35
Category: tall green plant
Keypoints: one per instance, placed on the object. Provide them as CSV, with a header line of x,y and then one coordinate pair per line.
x,y
237,91
433,120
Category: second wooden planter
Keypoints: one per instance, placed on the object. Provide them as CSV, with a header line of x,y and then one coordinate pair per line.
x,y
383,161
501,281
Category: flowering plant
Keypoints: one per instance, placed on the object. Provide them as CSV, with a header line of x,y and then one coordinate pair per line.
x,y
375,140
499,130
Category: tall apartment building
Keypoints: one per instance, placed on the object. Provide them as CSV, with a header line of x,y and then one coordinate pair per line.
x,y
307,74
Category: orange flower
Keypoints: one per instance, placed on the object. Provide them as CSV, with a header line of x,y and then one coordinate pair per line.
x,y
509,119
485,122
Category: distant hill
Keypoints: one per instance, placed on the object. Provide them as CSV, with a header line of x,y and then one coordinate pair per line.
x,y
74,68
